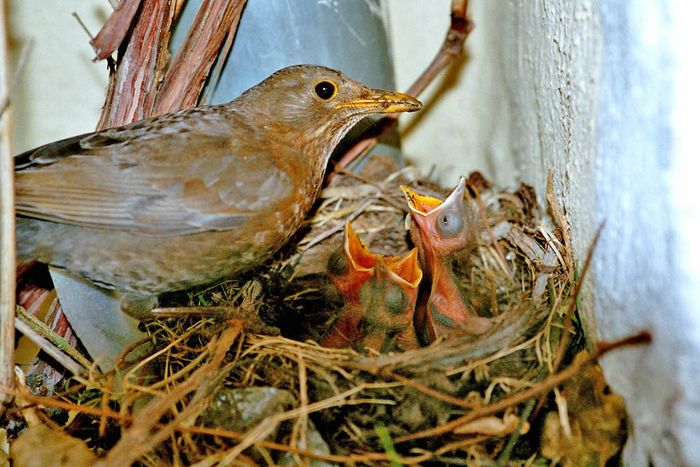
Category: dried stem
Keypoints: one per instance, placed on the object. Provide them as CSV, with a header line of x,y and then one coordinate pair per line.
x,y
412,383
559,217
50,349
132,87
115,29
136,442
7,227
218,432
566,336
460,27
57,342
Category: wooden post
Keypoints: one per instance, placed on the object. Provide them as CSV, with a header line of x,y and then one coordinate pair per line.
x,y
7,226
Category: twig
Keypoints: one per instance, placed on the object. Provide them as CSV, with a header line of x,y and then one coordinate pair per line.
x,y
264,428
460,27
58,342
135,442
558,216
218,432
546,385
84,27
215,21
330,232
132,88
299,431
114,30
7,229
515,436
21,63
501,256
215,75
53,351
412,383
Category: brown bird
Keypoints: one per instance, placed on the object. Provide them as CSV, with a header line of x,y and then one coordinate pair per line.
x,y
442,230
380,294
191,197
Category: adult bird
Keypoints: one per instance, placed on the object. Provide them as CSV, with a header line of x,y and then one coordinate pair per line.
x,y
191,197
442,230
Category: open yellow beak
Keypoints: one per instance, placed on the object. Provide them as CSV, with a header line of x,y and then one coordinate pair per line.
x,y
420,204
359,255
423,205
406,268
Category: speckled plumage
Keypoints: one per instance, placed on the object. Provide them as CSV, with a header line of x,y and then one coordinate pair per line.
x,y
191,197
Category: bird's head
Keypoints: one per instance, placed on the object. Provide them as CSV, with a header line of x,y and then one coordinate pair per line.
x,y
405,274
350,267
313,102
444,227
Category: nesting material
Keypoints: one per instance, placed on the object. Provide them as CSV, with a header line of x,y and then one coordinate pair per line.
x,y
445,403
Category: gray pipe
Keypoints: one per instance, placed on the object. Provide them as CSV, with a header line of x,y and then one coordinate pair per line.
x,y
349,36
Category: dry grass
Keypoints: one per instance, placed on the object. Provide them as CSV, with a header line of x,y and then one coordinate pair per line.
x,y
454,401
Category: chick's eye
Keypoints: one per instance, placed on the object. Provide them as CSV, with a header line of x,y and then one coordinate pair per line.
x,y
396,299
448,224
325,90
337,264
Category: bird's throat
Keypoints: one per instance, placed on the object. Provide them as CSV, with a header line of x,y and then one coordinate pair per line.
x,y
322,143
445,294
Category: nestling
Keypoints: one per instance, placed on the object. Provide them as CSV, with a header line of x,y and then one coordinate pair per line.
x,y
380,294
441,229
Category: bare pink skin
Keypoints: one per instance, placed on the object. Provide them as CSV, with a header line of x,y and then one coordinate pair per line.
x,y
440,229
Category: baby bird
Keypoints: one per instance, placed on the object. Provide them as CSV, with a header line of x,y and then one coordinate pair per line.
x,y
380,294
441,230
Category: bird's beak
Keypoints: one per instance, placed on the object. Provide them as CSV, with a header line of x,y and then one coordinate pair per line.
x,y
421,205
424,205
379,101
359,255
406,268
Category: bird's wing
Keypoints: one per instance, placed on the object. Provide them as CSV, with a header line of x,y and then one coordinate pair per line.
x,y
182,173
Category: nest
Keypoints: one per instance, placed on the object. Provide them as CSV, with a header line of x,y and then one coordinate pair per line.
x,y
209,391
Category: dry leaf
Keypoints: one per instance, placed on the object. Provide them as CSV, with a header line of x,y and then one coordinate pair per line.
x,y
39,446
4,449
596,418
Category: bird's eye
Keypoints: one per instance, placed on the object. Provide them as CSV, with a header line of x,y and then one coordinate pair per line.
x,y
395,298
326,90
337,264
448,224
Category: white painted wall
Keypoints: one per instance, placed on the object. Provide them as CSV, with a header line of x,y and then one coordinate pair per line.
x,y
60,91
647,190
465,125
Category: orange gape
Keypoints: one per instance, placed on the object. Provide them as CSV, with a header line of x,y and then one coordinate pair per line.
x,y
440,229
380,294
